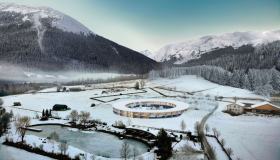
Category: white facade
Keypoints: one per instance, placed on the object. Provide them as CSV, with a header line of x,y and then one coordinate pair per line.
x,y
236,108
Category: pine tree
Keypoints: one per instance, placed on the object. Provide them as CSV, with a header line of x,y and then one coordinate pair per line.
x,y
43,113
47,113
164,144
275,80
245,83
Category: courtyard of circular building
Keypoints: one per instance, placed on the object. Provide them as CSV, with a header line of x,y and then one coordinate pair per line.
x,y
149,108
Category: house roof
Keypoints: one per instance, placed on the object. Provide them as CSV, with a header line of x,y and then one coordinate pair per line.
x,y
264,103
238,103
60,105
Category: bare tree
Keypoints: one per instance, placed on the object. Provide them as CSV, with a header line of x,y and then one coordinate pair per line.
x,y
4,122
63,146
137,85
218,134
1,102
214,131
183,125
129,122
223,142
135,152
59,87
142,83
229,151
74,116
196,127
207,128
21,124
84,117
125,151
54,137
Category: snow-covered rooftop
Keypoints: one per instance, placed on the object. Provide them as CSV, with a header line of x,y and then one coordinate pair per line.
x,y
264,103
176,105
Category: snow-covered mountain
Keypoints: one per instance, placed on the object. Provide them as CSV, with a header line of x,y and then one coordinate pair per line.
x,y
48,40
147,53
183,52
34,14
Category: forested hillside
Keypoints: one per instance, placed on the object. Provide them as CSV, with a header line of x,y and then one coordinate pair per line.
x,y
32,40
261,81
263,56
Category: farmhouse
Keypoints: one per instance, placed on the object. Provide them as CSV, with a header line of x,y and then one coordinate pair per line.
x,y
60,107
75,89
265,107
236,108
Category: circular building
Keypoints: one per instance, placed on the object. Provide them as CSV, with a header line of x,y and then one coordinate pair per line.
x,y
149,108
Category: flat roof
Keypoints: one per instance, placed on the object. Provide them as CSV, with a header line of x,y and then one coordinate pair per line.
x,y
122,105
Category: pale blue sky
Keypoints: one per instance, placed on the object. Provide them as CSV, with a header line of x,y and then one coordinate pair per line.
x,y
150,24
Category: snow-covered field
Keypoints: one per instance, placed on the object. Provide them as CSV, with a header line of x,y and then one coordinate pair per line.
x,y
192,83
250,137
11,153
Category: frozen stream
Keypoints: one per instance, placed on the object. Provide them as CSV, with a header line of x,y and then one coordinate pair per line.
x,y
98,143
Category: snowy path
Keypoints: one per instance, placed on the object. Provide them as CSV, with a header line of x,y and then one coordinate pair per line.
x,y
205,143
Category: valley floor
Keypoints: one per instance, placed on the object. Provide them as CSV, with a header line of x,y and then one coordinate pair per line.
x,y
250,137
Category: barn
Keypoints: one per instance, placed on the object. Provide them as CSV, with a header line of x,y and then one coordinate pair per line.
x,y
60,107
266,108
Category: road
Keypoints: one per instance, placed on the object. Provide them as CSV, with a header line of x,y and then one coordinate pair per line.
x,y
207,148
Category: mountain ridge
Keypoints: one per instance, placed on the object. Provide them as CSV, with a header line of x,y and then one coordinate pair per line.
x,y
182,52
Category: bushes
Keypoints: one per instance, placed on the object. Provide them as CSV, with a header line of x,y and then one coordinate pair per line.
x,y
4,122
119,124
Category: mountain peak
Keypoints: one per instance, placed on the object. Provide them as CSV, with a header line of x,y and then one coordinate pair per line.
x,y
192,49
59,20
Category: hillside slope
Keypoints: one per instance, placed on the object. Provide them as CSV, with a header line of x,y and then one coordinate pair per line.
x,y
180,53
45,39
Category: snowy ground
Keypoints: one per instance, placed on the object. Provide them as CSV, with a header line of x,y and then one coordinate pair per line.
x,y
250,137
11,153
220,154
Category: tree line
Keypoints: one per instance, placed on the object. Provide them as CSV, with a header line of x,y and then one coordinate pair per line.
x,y
261,81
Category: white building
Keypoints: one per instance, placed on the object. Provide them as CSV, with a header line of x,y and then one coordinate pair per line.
x,y
236,108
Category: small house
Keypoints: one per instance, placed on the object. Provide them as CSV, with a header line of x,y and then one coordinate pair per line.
x,y
75,89
17,104
60,107
266,108
236,108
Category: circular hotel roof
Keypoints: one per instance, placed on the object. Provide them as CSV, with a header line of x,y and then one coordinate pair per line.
x,y
176,105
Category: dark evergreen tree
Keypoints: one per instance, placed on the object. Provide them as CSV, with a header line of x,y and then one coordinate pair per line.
x,y
47,113
275,80
43,113
50,113
164,144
